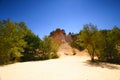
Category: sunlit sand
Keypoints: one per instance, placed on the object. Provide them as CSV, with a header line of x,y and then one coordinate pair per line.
x,y
64,68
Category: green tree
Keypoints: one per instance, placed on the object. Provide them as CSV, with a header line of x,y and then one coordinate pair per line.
x,y
108,49
18,42
48,48
87,39
33,43
11,42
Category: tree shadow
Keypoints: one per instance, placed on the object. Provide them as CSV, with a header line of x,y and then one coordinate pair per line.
x,y
102,65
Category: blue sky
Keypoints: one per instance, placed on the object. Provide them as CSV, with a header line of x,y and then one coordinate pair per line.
x,y
44,16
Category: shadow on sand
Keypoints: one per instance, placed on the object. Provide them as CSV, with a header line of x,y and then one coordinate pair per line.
x,y
102,65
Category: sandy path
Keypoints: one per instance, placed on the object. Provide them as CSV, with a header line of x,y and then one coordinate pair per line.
x,y
66,68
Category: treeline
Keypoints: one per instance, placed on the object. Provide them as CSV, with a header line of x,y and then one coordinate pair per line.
x,y
18,43
103,44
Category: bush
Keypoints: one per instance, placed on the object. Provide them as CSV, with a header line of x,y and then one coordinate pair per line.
x,y
74,52
107,46
11,42
49,48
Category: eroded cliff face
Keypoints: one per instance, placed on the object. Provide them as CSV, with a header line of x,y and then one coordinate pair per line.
x,y
59,36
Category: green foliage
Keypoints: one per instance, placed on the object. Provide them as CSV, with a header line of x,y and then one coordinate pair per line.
x,y
11,42
104,44
87,39
74,52
108,49
33,43
49,48
75,42
17,42
38,49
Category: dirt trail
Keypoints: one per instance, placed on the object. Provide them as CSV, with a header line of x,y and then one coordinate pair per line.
x,y
64,68
65,50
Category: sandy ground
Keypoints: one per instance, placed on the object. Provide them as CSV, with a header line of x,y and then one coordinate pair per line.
x,y
65,68
65,49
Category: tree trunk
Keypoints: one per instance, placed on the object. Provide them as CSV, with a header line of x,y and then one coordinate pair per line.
x,y
92,55
92,58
